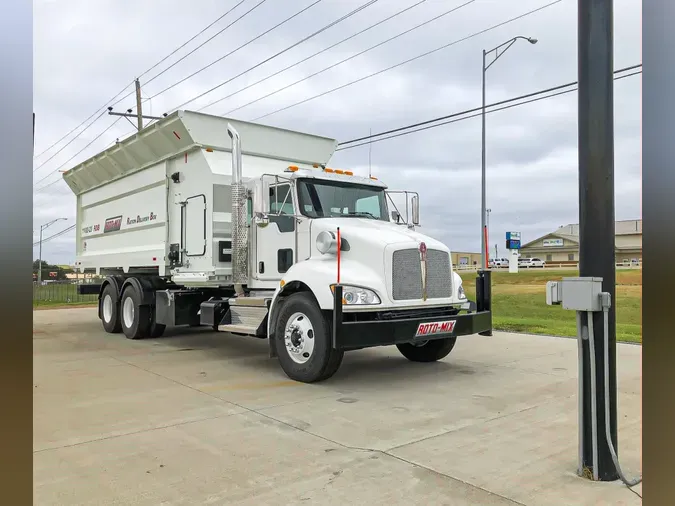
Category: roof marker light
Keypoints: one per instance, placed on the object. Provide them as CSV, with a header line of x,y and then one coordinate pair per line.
x,y
349,173
330,171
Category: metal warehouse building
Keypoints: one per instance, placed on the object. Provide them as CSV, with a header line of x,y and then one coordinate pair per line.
x,y
562,245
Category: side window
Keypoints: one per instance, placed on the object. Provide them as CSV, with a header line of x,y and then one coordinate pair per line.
x,y
369,205
281,199
249,211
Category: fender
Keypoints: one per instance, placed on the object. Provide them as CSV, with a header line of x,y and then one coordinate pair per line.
x,y
315,276
116,282
145,287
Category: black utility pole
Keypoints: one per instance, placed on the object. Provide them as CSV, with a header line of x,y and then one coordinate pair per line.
x,y
596,211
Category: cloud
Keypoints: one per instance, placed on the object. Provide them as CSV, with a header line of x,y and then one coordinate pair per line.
x,y
86,52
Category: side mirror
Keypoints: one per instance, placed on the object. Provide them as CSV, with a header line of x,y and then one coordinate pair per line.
x,y
416,210
261,198
396,216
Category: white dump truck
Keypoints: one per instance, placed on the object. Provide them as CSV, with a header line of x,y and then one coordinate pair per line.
x,y
203,220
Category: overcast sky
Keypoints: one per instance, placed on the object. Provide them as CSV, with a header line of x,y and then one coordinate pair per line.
x,y
87,51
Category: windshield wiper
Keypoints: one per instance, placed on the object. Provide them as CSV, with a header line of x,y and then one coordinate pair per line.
x,y
362,213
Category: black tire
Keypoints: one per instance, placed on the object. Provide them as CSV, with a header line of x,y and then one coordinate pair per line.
x,y
431,351
139,326
323,361
113,325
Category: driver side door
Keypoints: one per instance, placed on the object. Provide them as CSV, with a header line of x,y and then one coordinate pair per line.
x,y
275,241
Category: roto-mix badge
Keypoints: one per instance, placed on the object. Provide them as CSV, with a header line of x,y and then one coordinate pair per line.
x,y
112,224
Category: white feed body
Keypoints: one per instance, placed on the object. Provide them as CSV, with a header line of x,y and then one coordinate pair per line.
x,y
132,183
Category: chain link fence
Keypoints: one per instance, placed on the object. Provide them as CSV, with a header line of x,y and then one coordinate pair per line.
x,y
56,293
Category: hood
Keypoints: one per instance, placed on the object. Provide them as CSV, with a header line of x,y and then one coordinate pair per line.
x,y
366,230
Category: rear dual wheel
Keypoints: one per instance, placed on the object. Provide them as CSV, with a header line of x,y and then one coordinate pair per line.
x,y
110,310
125,314
135,317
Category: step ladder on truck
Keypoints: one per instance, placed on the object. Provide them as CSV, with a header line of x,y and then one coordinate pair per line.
x,y
202,220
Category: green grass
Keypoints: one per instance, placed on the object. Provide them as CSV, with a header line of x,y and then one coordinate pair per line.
x,y
519,303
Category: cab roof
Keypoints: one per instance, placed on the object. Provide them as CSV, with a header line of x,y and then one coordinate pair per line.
x,y
341,176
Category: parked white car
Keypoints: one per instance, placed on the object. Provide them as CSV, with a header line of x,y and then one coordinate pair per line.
x,y
499,262
531,262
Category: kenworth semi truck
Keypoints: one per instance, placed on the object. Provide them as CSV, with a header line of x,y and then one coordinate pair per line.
x,y
202,220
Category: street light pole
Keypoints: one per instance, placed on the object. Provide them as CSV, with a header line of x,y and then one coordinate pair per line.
x,y
483,228
482,174
42,228
487,234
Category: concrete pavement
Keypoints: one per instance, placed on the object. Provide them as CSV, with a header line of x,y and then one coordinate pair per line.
x,y
198,417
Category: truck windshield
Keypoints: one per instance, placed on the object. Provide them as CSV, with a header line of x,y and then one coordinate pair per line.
x,y
326,199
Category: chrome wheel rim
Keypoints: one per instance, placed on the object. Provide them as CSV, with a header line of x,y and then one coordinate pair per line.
x,y
128,311
299,338
107,308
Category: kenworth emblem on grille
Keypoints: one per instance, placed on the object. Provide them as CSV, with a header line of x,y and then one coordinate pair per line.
x,y
423,260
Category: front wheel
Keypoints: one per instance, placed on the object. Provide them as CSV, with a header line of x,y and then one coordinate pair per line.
x,y
303,341
430,351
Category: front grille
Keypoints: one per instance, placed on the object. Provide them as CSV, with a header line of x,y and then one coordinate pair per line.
x,y
407,275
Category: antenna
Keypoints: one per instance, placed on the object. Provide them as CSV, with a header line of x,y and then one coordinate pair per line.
x,y
370,150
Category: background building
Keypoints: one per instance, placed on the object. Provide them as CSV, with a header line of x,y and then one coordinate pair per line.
x,y
562,245
462,259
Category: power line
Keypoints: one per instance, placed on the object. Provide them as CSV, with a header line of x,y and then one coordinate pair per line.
x,y
54,236
236,49
195,49
83,122
68,143
358,9
445,46
501,102
71,158
191,39
435,18
313,55
457,118
132,82
206,42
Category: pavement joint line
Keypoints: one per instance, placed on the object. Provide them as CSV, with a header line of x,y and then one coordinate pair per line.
x,y
390,455
221,399
481,422
132,433
326,439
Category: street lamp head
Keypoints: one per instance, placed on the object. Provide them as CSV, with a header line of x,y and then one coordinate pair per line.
x,y
531,40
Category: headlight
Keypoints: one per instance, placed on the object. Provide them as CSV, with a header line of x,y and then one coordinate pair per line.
x,y
357,296
326,242
460,292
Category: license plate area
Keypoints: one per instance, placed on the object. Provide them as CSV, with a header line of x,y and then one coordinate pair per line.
x,y
435,328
